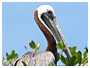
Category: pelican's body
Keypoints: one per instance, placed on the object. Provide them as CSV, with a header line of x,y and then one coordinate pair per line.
x,y
46,20
42,58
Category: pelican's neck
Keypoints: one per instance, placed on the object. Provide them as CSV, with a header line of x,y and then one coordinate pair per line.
x,y
50,39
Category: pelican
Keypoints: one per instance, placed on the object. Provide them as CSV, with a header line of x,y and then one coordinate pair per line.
x,y
46,20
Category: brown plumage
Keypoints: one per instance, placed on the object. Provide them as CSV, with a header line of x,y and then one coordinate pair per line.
x,y
50,39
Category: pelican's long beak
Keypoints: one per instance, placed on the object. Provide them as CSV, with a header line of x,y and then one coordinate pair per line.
x,y
51,22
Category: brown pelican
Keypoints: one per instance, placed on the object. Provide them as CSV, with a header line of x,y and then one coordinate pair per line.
x,y
46,20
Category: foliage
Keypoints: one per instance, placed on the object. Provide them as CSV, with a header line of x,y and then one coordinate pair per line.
x,y
35,64
34,46
85,55
10,57
52,64
60,45
58,56
77,57
24,63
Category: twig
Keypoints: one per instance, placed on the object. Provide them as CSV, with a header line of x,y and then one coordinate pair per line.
x,y
27,48
85,62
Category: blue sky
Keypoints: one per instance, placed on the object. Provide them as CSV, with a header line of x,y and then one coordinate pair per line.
x,y
19,27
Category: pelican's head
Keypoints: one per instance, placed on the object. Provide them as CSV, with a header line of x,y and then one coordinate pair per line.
x,y
47,17
46,20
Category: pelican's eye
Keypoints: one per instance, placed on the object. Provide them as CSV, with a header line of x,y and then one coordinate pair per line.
x,y
50,14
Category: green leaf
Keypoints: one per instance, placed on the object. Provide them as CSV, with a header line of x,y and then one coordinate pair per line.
x,y
60,52
60,45
67,63
84,57
35,64
85,54
24,63
14,58
8,57
86,49
58,56
13,53
63,59
52,64
37,47
32,45
79,57
72,60
6,54
73,50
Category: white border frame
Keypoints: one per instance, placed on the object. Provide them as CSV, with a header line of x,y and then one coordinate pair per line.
x,y
43,1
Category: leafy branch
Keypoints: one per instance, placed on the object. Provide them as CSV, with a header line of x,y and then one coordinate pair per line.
x,y
77,57
34,46
10,58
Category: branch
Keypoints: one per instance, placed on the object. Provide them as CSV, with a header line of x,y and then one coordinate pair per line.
x,y
85,62
27,48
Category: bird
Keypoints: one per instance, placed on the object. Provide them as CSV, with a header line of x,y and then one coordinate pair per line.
x,y
45,18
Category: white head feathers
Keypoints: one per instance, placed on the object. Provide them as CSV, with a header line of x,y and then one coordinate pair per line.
x,y
45,8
